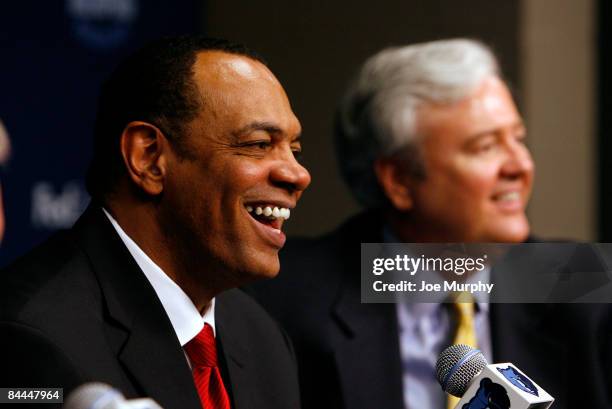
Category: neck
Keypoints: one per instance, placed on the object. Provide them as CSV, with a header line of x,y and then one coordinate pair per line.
x,y
140,221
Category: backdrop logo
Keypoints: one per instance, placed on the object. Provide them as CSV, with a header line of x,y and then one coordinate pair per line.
x,y
57,210
102,23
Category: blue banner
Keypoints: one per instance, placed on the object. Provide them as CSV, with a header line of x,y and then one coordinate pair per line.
x,y
55,55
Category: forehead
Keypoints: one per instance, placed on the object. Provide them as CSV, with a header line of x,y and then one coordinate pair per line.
x,y
238,90
489,108
219,67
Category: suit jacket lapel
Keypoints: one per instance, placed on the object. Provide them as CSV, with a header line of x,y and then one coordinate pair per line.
x,y
365,330
368,331
150,351
235,352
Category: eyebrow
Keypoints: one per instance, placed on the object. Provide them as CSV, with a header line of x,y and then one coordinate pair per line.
x,y
519,125
257,126
268,127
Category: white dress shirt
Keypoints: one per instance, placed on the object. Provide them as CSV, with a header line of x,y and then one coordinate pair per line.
x,y
183,314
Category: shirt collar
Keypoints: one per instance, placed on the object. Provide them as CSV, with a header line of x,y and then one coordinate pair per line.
x,y
482,305
183,314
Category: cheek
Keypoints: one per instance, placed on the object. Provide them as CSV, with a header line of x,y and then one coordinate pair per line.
x,y
475,178
245,178
227,180
248,172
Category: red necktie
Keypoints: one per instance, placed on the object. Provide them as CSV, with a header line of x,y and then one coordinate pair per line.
x,y
202,352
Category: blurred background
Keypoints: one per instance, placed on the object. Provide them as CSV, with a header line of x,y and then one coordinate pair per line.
x,y
56,53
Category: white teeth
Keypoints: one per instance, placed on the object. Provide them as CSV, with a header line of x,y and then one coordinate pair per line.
x,y
508,197
285,213
273,212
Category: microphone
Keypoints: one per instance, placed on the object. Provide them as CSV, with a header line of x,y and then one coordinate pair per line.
x,y
102,396
464,372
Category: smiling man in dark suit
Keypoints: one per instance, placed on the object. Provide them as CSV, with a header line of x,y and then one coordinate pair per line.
x,y
194,172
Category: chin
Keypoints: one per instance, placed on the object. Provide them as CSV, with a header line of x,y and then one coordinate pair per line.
x,y
516,232
263,268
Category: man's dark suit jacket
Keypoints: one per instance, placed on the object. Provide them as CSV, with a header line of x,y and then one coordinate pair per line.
x,y
348,352
79,309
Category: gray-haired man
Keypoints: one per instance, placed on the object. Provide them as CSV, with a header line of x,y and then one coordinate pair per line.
x,y
431,143
430,134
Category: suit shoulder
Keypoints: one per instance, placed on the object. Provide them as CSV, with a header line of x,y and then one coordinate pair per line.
x,y
305,260
308,246
23,347
240,304
43,279
247,332
332,250
243,310
51,253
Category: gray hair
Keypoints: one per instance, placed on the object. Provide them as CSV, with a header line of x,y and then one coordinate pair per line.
x,y
377,116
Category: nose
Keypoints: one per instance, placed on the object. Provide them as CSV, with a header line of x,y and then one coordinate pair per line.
x,y
289,174
518,161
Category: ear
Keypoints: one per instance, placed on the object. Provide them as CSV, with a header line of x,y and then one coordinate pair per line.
x,y
143,147
395,183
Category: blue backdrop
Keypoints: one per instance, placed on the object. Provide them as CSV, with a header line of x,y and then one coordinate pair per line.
x,y
55,55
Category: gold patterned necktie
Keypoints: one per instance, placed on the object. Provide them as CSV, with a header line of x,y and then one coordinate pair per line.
x,y
465,332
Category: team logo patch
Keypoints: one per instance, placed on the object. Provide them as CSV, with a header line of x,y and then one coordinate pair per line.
x,y
519,380
490,395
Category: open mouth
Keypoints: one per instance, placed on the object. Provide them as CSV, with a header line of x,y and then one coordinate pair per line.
x,y
507,197
509,202
269,215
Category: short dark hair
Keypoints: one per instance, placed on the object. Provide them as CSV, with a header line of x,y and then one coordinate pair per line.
x,y
155,85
